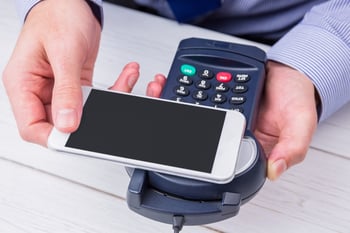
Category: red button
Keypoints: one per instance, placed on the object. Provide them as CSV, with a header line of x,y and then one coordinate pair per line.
x,y
223,77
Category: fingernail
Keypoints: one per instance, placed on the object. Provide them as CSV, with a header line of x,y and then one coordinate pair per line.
x,y
279,166
66,118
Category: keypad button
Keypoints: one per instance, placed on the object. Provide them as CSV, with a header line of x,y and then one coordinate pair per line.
x,y
237,99
188,70
222,87
203,84
240,88
185,79
200,95
182,91
199,85
206,74
218,98
242,78
224,77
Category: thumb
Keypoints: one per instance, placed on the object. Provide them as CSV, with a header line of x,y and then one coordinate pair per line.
x,y
67,93
66,105
292,145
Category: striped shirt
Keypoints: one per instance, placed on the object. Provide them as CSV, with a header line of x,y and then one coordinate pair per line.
x,y
313,36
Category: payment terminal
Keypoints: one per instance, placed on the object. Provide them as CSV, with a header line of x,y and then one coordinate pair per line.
x,y
221,75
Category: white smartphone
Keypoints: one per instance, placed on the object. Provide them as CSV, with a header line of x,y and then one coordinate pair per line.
x,y
196,142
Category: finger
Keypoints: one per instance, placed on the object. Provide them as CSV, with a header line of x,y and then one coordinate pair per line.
x,y
128,78
292,145
154,88
31,116
160,79
28,94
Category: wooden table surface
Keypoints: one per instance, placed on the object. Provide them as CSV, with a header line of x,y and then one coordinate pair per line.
x,y
46,191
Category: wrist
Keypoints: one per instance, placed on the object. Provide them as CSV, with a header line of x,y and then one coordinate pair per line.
x,y
25,8
300,81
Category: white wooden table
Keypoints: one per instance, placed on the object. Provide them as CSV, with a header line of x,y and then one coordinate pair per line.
x,y
44,191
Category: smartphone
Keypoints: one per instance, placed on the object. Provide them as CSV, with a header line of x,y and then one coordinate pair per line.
x,y
181,139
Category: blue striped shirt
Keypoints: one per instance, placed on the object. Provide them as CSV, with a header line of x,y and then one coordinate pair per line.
x,y
313,37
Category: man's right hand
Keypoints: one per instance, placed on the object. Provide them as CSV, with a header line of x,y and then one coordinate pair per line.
x,y
54,55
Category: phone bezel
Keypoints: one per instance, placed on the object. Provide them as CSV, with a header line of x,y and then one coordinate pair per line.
x,y
224,165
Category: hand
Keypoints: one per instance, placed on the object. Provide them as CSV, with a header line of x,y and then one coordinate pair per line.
x,y
287,118
54,55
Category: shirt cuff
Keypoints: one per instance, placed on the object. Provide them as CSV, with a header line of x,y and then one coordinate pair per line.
x,y
97,9
323,57
24,8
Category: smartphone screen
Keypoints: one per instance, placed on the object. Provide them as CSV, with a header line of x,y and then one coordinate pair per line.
x,y
145,129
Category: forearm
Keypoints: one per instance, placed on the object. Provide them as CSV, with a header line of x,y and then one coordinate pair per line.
x,y
24,6
320,48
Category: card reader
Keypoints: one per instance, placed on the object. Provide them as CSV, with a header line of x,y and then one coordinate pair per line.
x,y
222,75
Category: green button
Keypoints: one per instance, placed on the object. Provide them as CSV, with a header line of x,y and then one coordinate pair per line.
x,y
188,70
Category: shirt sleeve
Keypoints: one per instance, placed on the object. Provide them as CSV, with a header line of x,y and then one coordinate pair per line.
x,y
319,46
24,6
